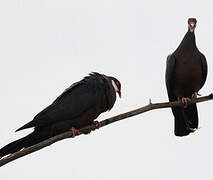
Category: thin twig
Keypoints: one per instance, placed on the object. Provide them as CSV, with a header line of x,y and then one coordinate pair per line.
x,y
105,122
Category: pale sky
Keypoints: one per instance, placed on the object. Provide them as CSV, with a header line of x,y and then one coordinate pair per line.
x,y
46,45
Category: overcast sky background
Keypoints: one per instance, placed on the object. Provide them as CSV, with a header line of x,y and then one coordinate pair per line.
x,y
46,45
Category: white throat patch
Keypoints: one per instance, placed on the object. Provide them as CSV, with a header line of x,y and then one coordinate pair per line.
x,y
115,86
191,28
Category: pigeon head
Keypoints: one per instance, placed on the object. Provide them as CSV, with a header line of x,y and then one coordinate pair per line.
x,y
116,85
192,24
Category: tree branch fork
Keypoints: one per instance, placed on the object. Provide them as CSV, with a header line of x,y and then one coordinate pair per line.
x,y
68,134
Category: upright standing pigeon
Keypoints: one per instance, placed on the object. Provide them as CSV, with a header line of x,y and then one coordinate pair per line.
x,y
186,72
75,108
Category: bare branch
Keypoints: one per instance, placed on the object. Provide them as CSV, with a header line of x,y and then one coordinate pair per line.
x,y
105,122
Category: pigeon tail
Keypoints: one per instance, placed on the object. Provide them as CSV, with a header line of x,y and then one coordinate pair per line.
x,y
14,146
186,120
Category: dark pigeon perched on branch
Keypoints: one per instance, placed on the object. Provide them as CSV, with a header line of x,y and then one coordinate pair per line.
x,y
75,108
186,72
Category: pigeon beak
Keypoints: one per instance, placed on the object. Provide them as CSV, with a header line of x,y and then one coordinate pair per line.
x,y
119,93
192,24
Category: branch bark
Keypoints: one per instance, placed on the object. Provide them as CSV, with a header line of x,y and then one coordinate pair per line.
x,y
105,122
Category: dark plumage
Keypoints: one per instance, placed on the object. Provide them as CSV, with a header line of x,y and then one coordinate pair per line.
x,y
186,72
76,107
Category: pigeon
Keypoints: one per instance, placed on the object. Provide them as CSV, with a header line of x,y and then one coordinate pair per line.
x,y
186,72
78,106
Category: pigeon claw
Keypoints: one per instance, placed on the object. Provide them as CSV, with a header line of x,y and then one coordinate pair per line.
x,y
185,101
75,132
195,95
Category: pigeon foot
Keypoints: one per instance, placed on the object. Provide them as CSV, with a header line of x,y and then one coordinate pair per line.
x,y
185,101
195,95
75,132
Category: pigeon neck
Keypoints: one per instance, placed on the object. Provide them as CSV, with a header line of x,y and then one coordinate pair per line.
x,y
109,93
188,43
